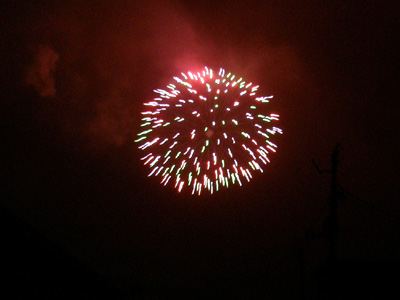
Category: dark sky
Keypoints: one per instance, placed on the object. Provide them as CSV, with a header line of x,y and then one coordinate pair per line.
x,y
76,75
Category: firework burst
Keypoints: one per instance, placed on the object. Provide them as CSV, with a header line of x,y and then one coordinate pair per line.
x,y
207,130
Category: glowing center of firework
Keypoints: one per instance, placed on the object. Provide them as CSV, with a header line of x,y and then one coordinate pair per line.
x,y
207,130
209,133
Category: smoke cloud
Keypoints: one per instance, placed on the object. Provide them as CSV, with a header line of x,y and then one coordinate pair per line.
x,y
40,75
115,54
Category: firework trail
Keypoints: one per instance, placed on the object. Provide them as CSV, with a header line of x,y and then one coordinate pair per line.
x,y
207,130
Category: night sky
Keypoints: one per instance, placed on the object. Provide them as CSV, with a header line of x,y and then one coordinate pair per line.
x,y
76,74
